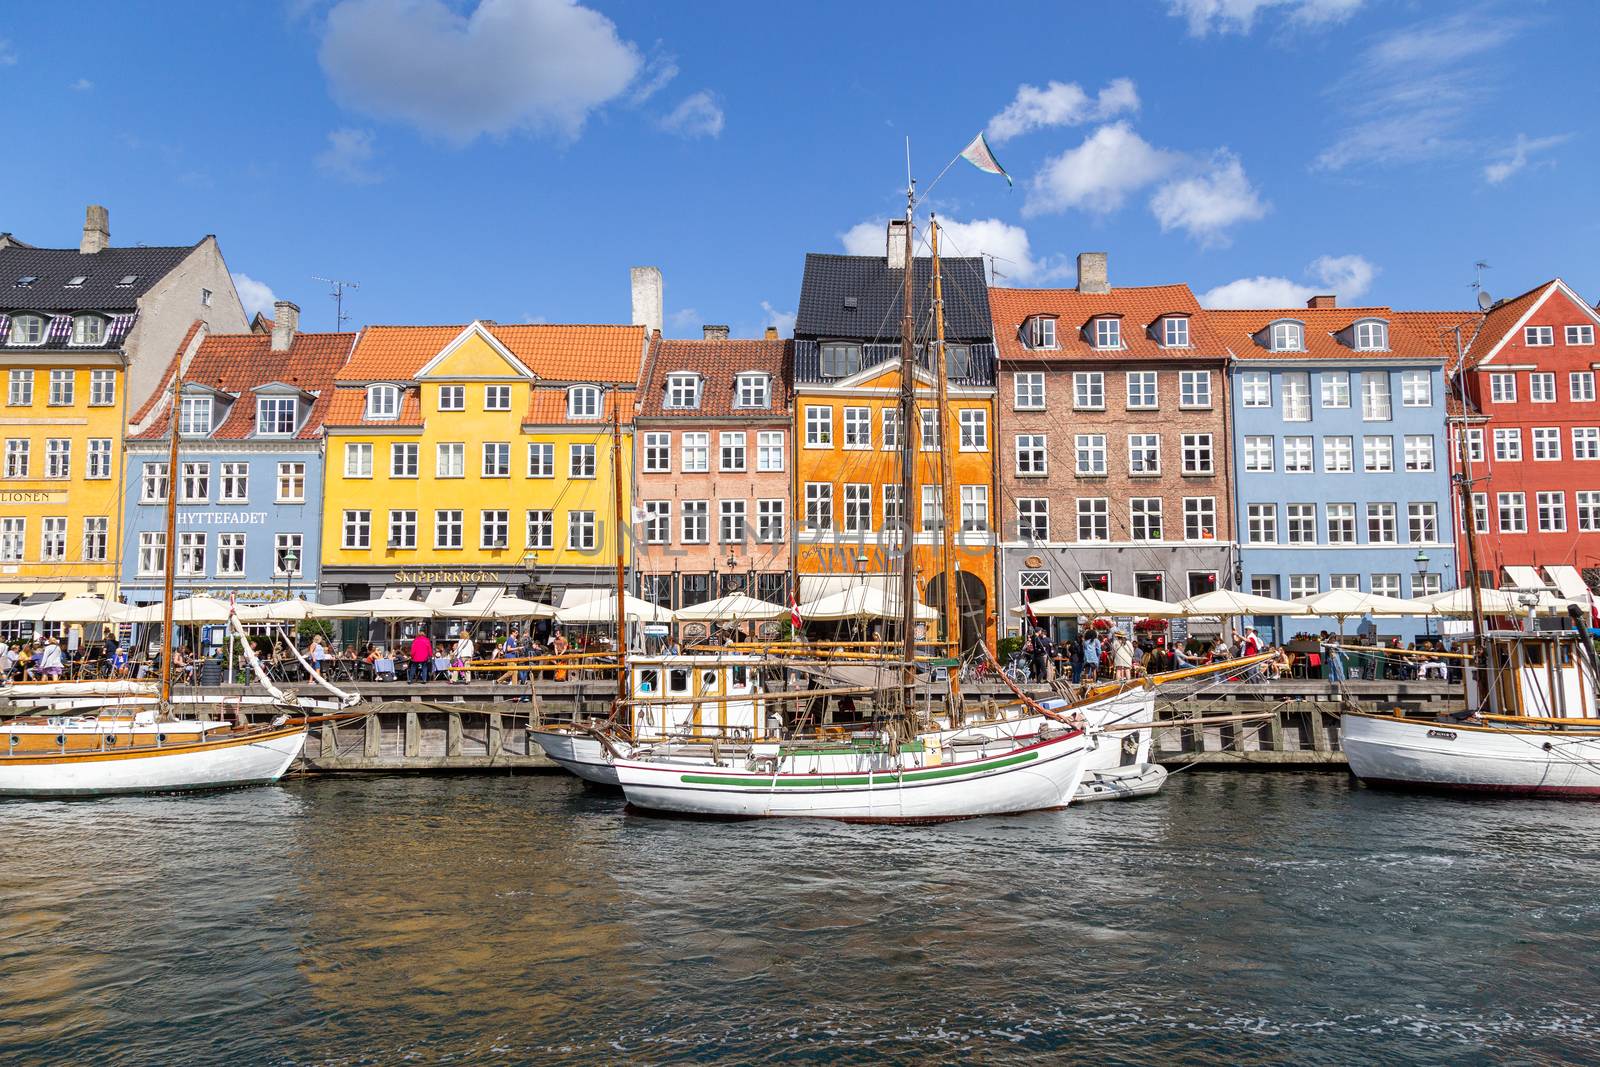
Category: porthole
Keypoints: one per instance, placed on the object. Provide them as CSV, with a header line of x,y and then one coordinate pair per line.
x,y
111,740
161,739
61,739
15,740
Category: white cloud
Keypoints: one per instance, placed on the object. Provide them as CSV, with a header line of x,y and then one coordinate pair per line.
x,y
82,85
1517,156
8,53
504,66
1347,277
255,296
1239,16
1206,204
653,78
348,157
699,115
684,318
782,320
1007,244
1061,104
1098,175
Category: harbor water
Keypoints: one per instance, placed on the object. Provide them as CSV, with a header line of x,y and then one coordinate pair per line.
x,y
1240,918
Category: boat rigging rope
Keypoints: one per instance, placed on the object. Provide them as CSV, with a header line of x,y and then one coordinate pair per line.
x,y
345,699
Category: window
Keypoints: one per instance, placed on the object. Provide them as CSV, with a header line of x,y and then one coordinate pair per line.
x,y
1480,512
1552,509
191,554
235,483
21,393
696,522
1089,389
497,398
1580,335
1300,523
974,424
752,391
1345,581
276,415
819,427
770,522
581,531
1297,455
1141,389
230,554
291,483
580,460
1258,453
857,427
1416,389
1194,388
494,528
731,522
205,297
932,508
99,461
61,388
152,479
1376,405
58,457
1341,524
1542,388
27,330
1287,337
1419,452
1508,444
541,529
1042,332
1588,501
840,360
1580,386
1335,389
1261,523
1199,518
403,529
1144,453
1144,517
891,429
1377,453
195,483
152,549
383,402
583,402
974,508
96,530
1422,522
452,398
696,452
657,522
683,391
1094,518
1472,444
657,453
1371,336
1386,585
450,460
1175,331
1503,388
1381,529
1031,455
1546,443
288,557
541,460
194,416
1107,332
1033,518
893,506
53,540
932,430
102,388
1197,454
447,530
1255,389
1296,396
1033,585
1426,584
1091,450
1028,391
1586,442
497,459
857,508
1538,336
403,459
769,450
357,529
358,459
1303,585
17,459
819,505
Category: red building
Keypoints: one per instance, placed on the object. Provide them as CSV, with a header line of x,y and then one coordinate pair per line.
x,y
1527,425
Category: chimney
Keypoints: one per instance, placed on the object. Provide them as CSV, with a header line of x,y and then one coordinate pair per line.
x,y
1092,273
714,333
1327,300
96,230
895,246
285,324
772,333
647,295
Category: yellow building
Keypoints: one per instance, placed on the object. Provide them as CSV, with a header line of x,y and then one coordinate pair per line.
x,y
477,457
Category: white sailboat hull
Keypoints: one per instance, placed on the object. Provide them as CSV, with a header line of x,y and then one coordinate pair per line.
x,y
1486,759
580,754
212,765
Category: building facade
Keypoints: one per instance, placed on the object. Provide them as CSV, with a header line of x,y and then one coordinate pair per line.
x,y
714,467
250,466
1341,475
1114,444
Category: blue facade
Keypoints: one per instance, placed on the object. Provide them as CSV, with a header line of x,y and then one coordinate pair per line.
x,y
1341,477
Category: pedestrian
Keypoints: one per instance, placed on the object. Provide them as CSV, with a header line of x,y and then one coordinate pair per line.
x,y
421,657
461,657
1121,656
50,660
1075,655
1333,667
1091,656
1039,654
317,653
558,648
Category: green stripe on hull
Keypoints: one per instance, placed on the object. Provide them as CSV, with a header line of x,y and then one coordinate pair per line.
x,y
885,778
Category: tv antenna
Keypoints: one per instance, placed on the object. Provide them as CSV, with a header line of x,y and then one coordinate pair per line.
x,y
336,288
1485,301
994,271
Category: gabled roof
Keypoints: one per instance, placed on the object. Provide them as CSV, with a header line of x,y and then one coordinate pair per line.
x,y
718,363
1138,306
1412,334
102,271
831,281
1502,321
553,352
547,406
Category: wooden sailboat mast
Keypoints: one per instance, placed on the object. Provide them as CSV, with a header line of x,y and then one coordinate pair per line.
x,y
622,586
909,506
949,442
170,570
1469,524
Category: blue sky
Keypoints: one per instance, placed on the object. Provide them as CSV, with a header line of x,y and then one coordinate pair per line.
x,y
510,159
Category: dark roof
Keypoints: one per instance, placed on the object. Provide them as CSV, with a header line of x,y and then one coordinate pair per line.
x,y
831,280
52,268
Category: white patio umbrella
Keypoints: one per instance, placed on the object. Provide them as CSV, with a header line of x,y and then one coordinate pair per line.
x,y
504,607
1343,603
604,609
382,608
861,601
187,612
1229,603
736,607
294,610
79,609
1096,602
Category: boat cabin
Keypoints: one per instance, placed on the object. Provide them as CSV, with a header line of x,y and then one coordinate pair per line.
x,y
1537,674
710,697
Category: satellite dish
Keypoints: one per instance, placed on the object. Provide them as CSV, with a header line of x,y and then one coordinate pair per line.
x,y
1485,301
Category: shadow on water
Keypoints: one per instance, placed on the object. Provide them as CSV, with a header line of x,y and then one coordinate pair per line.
x,y
1237,918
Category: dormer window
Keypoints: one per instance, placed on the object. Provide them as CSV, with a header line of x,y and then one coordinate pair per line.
x,y
276,415
27,330
1287,337
958,361
1175,331
1107,332
1042,332
383,402
839,359
583,402
194,416
1372,336
88,330
683,390
752,390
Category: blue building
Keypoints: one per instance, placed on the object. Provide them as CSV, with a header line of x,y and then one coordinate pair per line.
x,y
1341,474
249,478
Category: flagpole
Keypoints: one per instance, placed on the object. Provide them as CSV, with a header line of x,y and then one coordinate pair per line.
x,y
929,190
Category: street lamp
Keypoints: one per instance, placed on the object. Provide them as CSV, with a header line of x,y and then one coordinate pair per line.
x,y
1421,560
291,559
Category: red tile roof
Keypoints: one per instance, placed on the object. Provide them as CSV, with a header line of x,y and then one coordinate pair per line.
x,y
1138,306
1412,334
717,363
1501,319
548,407
563,353
349,408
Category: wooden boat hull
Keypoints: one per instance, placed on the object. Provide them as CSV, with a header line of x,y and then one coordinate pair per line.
x,y
581,754
1510,761
250,758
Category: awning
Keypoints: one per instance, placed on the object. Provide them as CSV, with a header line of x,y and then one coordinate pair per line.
x,y
1568,581
398,592
41,598
441,597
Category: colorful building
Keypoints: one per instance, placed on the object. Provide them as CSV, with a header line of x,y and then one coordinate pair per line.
x,y
850,518
477,457
714,467
250,465
1114,446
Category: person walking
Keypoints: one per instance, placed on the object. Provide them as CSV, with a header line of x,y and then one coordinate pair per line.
x,y
421,652
1091,656
1121,656
1333,667
461,658
316,653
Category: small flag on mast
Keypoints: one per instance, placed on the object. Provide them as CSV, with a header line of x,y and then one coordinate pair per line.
x,y
979,154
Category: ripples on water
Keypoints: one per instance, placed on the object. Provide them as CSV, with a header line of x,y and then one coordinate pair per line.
x,y
1236,918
